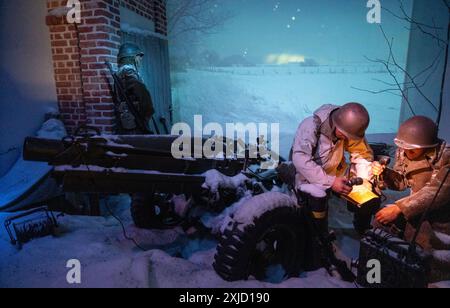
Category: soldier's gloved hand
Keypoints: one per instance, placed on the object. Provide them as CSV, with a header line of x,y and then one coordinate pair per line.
x,y
377,168
340,186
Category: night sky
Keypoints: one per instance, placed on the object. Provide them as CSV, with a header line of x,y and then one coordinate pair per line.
x,y
328,31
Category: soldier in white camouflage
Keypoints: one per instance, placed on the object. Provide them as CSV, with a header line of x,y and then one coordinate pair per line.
x,y
319,157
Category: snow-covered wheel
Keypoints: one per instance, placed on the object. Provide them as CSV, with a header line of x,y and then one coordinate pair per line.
x,y
268,231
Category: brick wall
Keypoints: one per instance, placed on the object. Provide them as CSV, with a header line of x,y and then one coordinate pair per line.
x,y
160,18
152,9
80,50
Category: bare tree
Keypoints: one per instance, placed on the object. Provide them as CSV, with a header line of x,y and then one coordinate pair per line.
x,y
194,17
413,81
427,29
188,22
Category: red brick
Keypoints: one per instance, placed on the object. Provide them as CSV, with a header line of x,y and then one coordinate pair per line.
x,y
96,20
99,51
80,56
98,36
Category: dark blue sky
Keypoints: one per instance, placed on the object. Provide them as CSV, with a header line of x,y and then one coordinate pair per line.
x,y
328,31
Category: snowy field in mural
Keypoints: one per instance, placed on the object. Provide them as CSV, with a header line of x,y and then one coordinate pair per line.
x,y
282,94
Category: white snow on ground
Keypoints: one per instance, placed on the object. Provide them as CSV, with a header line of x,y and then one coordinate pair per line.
x,y
285,95
172,260
19,179
23,175
109,260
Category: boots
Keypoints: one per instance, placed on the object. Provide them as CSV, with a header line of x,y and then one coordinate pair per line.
x,y
317,215
319,210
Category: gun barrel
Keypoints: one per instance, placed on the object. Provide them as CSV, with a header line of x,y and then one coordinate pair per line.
x,y
42,150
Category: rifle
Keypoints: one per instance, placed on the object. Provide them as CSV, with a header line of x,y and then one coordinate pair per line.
x,y
164,123
139,121
156,126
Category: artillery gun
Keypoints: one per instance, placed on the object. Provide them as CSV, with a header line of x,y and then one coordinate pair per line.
x,y
269,229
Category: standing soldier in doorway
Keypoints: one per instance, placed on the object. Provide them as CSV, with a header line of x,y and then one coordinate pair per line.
x,y
130,123
134,110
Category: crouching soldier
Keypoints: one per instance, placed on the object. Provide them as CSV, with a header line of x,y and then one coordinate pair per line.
x,y
422,164
319,158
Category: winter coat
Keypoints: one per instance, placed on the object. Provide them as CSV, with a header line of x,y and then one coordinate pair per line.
x,y
424,177
138,94
319,156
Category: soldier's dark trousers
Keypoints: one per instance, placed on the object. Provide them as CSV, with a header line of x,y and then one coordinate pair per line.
x,y
318,208
317,213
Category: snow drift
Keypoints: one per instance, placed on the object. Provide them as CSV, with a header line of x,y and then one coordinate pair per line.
x,y
26,181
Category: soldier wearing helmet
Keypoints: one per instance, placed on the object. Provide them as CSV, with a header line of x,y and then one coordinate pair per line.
x,y
129,60
422,160
319,158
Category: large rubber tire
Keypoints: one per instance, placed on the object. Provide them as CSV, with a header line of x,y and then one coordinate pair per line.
x,y
143,210
238,255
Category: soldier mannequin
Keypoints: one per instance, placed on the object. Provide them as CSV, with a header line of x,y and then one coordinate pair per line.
x,y
422,161
319,158
130,60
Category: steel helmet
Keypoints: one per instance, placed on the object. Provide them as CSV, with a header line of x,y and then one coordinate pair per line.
x,y
419,132
129,50
352,119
